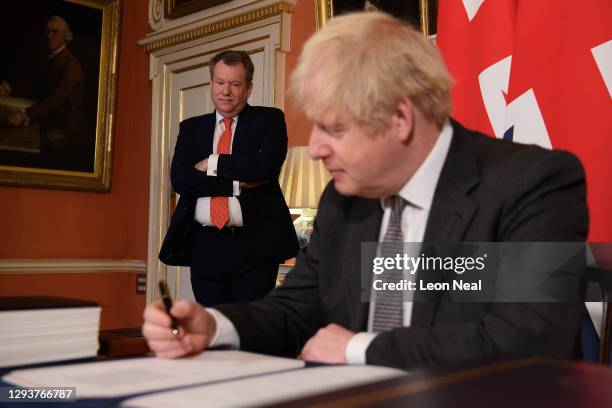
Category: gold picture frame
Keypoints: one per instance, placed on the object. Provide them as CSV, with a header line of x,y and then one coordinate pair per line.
x,y
426,10
179,8
30,156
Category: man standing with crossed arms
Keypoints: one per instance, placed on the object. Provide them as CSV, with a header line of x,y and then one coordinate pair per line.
x,y
231,225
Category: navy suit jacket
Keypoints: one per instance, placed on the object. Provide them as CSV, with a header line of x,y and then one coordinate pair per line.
x,y
489,191
258,151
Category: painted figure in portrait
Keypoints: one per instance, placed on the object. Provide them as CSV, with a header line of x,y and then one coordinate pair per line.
x,y
48,93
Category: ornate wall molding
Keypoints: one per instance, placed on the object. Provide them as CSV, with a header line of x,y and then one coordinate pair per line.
x,y
156,14
42,266
199,28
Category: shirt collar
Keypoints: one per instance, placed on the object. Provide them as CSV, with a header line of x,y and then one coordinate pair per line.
x,y
419,190
220,118
54,53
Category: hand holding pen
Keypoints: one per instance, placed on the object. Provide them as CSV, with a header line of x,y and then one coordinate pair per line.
x,y
165,294
168,338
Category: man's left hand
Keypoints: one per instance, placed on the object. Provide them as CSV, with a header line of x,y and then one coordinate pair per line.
x,y
202,165
328,345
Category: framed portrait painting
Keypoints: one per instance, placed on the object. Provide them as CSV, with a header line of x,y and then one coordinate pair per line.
x,y
421,14
57,93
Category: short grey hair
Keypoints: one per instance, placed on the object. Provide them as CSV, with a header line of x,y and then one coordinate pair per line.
x,y
234,57
67,31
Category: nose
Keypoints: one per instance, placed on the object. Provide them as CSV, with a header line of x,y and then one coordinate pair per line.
x,y
317,148
226,88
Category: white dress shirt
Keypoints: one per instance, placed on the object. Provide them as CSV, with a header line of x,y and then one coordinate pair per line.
x,y
419,192
202,211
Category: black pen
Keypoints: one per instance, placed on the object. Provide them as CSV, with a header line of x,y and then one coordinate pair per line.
x,y
165,294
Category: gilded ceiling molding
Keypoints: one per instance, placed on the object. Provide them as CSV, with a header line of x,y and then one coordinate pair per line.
x,y
222,25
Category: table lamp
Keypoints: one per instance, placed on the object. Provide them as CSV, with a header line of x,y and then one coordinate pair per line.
x,y
302,181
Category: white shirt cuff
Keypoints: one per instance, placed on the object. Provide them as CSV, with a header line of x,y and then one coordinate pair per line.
x,y
236,188
212,165
356,349
226,334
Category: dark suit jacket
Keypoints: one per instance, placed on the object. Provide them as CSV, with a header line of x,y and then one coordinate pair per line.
x,y
489,190
62,99
258,152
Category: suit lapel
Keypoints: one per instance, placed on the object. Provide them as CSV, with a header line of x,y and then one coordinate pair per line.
x,y
245,119
366,216
451,213
206,131
452,209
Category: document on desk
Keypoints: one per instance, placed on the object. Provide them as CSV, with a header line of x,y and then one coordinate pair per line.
x,y
132,376
266,389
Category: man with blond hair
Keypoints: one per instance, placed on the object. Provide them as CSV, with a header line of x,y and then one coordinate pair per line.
x,y
378,95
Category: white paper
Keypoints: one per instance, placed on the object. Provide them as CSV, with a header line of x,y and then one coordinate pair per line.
x,y
70,349
44,335
14,104
266,389
45,319
124,377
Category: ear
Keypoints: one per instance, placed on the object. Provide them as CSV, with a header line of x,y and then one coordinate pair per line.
x,y
249,90
402,119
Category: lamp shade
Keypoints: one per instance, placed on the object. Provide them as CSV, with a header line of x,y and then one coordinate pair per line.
x,y
302,179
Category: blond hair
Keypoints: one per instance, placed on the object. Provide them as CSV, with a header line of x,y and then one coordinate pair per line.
x,y
363,64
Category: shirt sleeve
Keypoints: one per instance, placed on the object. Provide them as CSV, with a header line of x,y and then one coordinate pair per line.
x,y
356,349
226,334
212,165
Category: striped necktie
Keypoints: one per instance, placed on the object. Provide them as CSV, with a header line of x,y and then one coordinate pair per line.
x,y
388,306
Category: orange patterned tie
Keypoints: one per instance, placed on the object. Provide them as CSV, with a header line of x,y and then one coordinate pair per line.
x,y
219,206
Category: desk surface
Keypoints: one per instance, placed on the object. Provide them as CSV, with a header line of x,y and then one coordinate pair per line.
x,y
530,382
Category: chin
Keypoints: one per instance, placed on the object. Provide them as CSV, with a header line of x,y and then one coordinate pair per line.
x,y
355,191
346,188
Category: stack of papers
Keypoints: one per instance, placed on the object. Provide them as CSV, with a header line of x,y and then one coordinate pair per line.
x,y
228,378
133,376
43,329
